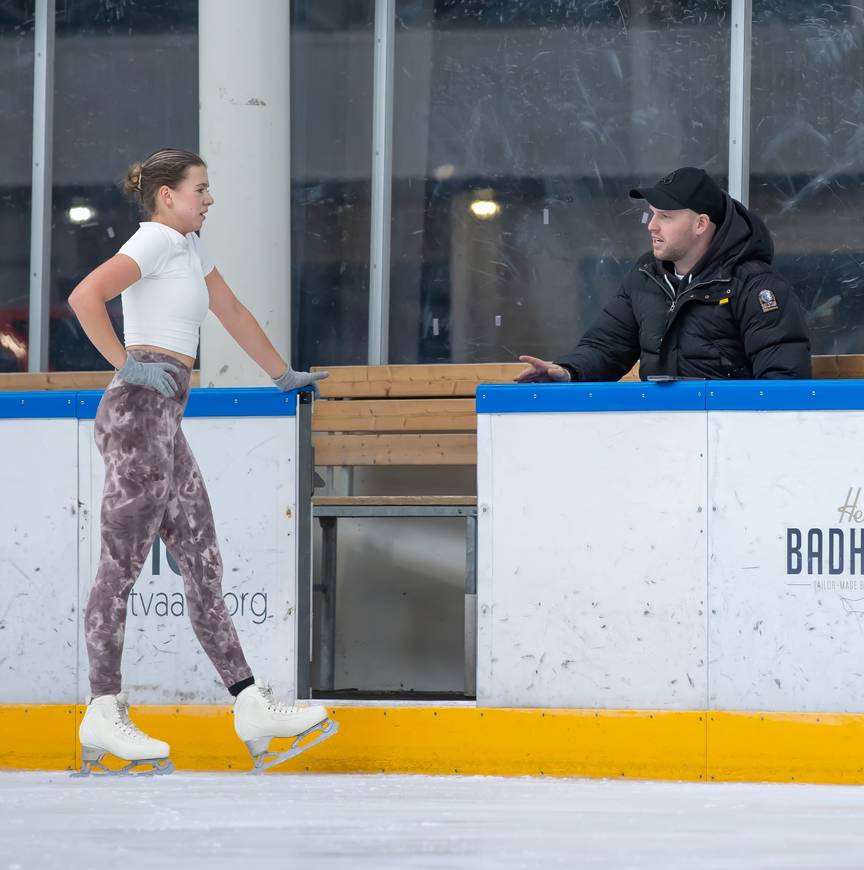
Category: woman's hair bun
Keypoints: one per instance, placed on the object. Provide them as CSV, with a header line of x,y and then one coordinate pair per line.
x,y
132,182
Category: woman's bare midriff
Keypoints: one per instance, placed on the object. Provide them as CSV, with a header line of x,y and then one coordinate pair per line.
x,y
187,361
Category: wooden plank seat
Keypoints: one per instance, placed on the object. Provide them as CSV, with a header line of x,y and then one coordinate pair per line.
x,y
25,382
401,415
394,382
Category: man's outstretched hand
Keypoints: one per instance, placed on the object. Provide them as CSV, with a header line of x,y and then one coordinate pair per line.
x,y
540,371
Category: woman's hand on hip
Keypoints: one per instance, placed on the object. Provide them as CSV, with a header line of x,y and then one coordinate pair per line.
x,y
151,375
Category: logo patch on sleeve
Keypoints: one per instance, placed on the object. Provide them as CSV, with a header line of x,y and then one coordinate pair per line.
x,y
768,300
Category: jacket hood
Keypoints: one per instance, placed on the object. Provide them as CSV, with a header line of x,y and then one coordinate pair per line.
x,y
741,237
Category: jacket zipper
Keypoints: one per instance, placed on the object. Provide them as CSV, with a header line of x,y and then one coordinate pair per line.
x,y
665,289
690,289
674,307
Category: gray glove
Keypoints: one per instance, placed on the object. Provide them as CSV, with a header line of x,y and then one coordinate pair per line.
x,y
292,380
151,375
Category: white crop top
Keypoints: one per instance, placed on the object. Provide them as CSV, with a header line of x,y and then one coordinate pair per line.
x,y
167,305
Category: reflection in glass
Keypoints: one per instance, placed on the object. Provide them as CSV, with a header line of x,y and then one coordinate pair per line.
x,y
16,132
126,83
807,158
331,166
519,128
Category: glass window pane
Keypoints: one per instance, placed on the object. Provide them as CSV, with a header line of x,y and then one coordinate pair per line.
x,y
126,83
807,158
519,129
331,166
16,137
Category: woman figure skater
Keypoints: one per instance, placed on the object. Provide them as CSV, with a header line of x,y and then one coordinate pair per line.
x,y
152,482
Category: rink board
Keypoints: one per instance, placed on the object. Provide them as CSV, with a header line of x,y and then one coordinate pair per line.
x,y
245,442
38,559
585,606
460,739
672,546
783,638
775,697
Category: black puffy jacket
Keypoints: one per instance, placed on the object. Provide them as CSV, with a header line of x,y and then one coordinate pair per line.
x,y
736,318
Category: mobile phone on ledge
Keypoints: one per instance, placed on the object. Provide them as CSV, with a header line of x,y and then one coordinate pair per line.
x,y
669,379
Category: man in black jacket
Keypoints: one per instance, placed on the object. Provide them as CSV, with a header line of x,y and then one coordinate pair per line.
x,y
704,303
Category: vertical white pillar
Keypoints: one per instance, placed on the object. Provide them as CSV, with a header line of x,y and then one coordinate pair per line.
x,y
739,100
42,178
382,168
244,92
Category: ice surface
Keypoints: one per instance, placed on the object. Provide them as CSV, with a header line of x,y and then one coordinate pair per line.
x,y
236,821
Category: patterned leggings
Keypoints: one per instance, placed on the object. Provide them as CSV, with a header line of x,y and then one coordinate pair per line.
x,y
154,486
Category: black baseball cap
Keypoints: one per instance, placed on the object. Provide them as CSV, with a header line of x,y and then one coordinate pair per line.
x,y
688,187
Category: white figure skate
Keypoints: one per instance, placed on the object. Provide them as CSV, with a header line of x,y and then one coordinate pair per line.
x,y
106,729
258,718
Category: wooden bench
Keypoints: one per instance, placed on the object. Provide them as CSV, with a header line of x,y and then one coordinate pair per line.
x,y
371,382
26,382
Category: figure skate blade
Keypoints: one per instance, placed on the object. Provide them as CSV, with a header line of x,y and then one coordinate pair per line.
x,y
268,759
92,765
